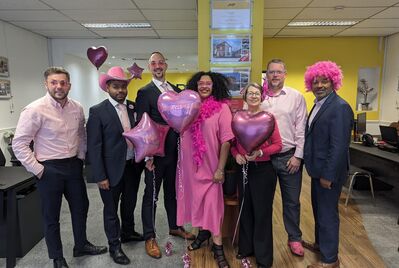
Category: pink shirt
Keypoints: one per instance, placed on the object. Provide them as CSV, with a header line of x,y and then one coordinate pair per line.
x,y
289,109
57,132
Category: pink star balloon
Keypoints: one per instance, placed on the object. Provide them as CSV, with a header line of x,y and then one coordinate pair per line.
x,y
136,71
147,137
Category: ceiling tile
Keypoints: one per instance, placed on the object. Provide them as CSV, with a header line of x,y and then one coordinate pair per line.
x,y
270,32
22,4
67,34
166,4
286,3
390,13
273,24
330,13
177,33
170,14
45,25
32,15
90,4
281,13
378,23
125,33
352,3
369,32
117,15
309,31
174,25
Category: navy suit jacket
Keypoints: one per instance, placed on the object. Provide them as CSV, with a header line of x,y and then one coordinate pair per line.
x,y
106,147
147,101
326,152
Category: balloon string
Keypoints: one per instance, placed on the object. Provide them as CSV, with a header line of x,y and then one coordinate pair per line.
x,y
244,182
154,200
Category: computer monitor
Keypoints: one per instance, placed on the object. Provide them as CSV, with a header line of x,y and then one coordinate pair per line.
x,y
361,123
389,135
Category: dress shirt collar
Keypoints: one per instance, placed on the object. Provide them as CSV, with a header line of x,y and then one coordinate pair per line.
x,y
53,102
323,100
158,83
270,93
114,102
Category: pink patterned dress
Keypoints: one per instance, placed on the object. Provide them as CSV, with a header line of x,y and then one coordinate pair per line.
x,y
199,199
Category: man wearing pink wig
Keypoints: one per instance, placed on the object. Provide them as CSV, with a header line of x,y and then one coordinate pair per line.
x,y
326,156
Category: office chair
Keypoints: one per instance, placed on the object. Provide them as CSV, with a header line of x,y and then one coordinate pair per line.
x,y
355,172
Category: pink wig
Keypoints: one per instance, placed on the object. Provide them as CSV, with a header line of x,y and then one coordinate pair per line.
x,y
328,69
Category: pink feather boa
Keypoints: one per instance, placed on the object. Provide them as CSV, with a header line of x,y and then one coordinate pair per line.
x,y
208,108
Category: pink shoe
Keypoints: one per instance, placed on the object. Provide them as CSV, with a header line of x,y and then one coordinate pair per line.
x,y
296,248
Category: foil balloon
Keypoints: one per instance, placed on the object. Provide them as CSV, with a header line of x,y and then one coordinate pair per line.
x,y
252,130
97,55
148,138
135,71
179,110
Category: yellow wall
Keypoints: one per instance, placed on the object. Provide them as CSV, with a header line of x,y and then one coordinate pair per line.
x,y
136,84
351,53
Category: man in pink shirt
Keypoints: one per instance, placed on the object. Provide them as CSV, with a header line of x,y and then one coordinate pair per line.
x,y
55,124
289,108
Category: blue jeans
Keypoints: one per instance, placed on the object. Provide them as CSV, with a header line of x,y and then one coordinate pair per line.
x,y
290,186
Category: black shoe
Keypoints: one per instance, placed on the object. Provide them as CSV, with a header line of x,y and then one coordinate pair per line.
x,y
203,235
135,236
218,255
60,262
89,249
119,256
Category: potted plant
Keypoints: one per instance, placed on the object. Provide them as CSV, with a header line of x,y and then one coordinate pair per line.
x,y
364,89
8,136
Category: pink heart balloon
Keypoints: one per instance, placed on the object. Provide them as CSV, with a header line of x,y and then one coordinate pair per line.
x,y
252,130
147,137
97,55
179,110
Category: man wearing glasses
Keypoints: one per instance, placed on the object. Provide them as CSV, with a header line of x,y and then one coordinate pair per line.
x,y
55,123
289,108
164,167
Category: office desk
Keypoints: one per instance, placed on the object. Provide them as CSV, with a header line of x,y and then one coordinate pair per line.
x,y
12,179
384,165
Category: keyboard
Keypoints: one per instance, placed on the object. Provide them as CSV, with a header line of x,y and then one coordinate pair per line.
x,y
390,149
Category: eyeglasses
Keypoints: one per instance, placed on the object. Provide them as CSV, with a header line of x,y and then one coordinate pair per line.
x,y
62,83
204,83
275,72
253,94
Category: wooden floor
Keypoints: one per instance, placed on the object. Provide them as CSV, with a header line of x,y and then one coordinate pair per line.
x,y
355,248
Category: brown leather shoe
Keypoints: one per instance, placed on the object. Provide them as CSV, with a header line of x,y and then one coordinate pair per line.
x,y
182,233
324,265
311,246
152,248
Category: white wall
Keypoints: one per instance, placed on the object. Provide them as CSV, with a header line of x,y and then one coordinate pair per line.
x,y
27,59
390,88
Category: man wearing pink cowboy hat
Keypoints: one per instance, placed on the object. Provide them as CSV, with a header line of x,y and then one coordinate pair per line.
x,y
111,158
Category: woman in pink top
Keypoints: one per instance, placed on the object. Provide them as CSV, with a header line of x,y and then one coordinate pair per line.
x,y
203,153
256,237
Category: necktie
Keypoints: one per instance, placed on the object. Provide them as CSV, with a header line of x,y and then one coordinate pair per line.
x,y
164,86
125,122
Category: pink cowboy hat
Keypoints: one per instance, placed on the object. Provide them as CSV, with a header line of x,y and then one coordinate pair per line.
x,y
114,73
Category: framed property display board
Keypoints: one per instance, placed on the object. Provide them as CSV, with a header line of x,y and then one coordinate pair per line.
x,y
238,77
231,14
230,48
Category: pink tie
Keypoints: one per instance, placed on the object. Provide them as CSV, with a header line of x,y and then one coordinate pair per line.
x,y
125,122
165,87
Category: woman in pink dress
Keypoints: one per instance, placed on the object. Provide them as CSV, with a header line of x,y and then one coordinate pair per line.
x,y
256,235
203,153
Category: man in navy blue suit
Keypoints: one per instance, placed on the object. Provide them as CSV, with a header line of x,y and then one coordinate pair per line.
x,y
326,155
112,162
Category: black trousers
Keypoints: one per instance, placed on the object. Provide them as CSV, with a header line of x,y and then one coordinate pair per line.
x,y
165,171
126,192
256,234
63,177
